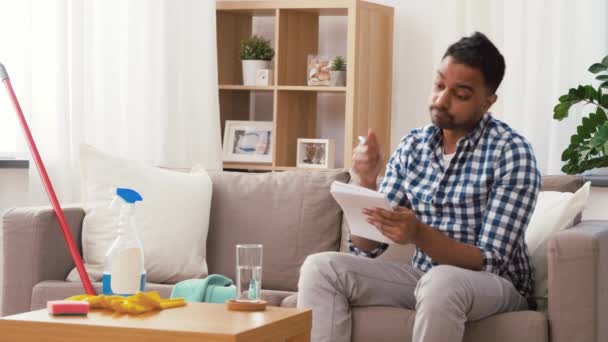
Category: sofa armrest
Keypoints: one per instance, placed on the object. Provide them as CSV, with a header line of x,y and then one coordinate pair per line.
x,y
578,283
34,250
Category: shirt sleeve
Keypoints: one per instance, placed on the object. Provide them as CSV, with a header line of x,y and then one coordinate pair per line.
x,y
511,202
374,253
392,185
393,188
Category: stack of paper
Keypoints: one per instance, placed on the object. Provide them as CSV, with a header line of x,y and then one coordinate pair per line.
x,y
353,199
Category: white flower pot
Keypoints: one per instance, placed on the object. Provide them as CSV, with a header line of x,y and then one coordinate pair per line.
x,y
337,78
250,68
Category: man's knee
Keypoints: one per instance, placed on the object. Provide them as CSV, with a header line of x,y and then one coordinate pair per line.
x,y
318,266
441,285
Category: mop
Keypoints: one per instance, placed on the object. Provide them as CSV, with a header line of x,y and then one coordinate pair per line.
x,y
63,224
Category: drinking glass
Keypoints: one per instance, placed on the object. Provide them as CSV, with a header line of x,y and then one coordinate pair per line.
x,y
248,272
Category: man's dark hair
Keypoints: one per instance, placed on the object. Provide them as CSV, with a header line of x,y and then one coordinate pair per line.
x,y
478,52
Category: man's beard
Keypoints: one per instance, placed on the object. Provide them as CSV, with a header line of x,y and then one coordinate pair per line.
x,y
442,118
446,120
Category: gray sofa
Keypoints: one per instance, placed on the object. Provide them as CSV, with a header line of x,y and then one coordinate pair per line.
x,y
293,215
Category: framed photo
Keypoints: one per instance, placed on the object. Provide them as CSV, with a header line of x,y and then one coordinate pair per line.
x,y
316,153
248,141
318,70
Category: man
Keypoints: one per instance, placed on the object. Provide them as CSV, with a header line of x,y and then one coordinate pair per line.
x,y
463,190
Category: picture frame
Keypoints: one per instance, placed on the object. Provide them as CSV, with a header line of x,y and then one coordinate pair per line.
x,y
248,141
318,70
316,153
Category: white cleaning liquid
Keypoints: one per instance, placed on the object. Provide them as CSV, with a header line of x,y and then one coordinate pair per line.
x,y
124,272
125,277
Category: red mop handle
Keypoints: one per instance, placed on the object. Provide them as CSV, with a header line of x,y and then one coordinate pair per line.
x,y
67,234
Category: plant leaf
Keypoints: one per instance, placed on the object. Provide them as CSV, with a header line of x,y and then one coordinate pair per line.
x,y
575,140
580,92
604,84
601,114
605,61
597,67
566,154
560,111
601,77
582,132
606,149
588,125
564,98
591,93
600,138
604,101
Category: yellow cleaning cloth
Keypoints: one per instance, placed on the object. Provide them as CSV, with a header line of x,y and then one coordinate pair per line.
x,y
136,304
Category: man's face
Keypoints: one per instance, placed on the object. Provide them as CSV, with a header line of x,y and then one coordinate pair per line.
x,y
459,97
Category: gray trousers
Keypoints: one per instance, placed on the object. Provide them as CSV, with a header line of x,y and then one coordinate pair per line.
x,y
444,297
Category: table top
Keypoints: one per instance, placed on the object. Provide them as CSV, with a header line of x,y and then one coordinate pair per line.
x,y
202,319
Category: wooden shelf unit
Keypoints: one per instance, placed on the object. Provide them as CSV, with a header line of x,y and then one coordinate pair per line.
x,y
367,95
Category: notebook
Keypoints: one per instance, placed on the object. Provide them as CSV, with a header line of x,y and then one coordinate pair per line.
x,y
353,199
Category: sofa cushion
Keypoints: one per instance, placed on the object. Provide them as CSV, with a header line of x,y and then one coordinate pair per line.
x,y
171,221
291,213
375,323
274,297
553,212
58,289
563,183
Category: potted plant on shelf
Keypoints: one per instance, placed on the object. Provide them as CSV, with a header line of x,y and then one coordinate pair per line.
x,y
588,147
338,72
256,54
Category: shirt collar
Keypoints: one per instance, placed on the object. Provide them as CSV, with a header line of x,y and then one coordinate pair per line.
x,y
469,139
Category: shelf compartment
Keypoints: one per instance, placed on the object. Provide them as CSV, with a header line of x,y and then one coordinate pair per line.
x,y
295,117
313,88
245,166
243,87
299,37
232,27
245,104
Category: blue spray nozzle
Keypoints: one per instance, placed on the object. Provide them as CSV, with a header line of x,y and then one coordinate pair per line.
x,y
129,195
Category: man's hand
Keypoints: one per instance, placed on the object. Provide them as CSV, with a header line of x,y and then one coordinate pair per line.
x,y
367,160
400,225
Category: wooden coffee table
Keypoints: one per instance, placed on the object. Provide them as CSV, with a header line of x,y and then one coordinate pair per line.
x,y
194,322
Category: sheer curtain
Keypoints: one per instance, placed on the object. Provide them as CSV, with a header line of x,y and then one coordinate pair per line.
x,y
135,78
548,46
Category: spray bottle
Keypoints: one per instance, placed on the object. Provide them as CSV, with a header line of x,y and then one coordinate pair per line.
x,y
124,272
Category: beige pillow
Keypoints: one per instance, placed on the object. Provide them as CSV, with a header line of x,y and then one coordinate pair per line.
x,y
172,220
291,213
554,212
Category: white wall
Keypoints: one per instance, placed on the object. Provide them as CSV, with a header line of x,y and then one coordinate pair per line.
x,y
13,188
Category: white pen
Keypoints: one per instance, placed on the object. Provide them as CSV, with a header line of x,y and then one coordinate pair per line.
x,y
362,140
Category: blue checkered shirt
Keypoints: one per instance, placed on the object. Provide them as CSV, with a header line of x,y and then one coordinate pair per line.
x,y
484,197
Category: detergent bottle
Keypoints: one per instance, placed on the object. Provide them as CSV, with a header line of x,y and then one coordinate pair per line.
x,y
124,273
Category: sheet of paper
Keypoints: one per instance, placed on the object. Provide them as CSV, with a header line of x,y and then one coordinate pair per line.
x,y
353,199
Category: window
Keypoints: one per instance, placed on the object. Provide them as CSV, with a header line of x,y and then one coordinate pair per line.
x,y
9,130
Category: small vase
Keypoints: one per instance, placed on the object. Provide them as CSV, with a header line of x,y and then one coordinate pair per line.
x,y
337,78
250,69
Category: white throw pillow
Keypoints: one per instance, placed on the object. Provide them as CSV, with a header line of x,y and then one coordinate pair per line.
x,y
554,212
172,220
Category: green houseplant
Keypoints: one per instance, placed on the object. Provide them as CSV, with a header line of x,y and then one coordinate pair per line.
x,y
588,147
256,53
338,72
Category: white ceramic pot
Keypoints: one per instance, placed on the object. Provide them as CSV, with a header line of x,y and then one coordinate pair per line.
x,y
250,68
337,78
